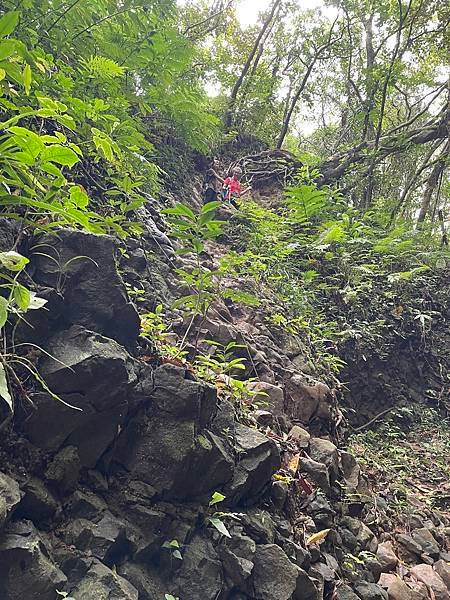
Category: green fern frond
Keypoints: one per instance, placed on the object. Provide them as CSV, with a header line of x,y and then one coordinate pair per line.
x,y
103,68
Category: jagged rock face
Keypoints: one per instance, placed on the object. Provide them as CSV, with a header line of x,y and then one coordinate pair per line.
x,y
116,504
10,496
26,569
93,374
164,444
81,267
103,584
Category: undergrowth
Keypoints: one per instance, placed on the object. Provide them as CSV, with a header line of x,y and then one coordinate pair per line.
x,y
406,459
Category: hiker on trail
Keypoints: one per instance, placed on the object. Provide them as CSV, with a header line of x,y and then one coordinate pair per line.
x,y
231,189
212,182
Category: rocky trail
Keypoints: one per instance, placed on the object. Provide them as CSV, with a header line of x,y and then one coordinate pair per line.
x,y
149,484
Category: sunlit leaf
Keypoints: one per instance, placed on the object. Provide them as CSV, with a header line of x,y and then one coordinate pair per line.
x,y
8,23
4,390
318,537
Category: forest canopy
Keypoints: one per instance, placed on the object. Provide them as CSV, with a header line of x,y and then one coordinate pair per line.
x,y
357,90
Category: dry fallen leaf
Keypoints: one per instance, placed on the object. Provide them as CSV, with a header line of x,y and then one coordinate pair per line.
x,y
318,537
293,463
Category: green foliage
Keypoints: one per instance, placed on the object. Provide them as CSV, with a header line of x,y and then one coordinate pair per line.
x,y
155,330
173,547
407,479
215,519
80,129
192,231
315,253
221,362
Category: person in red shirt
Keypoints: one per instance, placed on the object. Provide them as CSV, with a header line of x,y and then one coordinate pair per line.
x,y
231,190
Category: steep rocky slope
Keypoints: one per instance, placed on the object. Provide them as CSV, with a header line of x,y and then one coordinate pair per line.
x,y
159,487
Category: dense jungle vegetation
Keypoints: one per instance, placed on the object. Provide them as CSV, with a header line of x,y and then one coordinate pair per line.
x,y
185,385
103,104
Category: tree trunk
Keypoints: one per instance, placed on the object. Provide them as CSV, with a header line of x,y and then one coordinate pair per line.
x,y
368,129
336,166
293,104
228,120
432,183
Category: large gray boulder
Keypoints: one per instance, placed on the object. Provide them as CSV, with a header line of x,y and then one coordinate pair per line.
x,y
10,496
325,452
201,572
92,373
100,583
38,503
26,569
237,555
168,445
274,575
81,267
104,540
371,591
257,459
306,398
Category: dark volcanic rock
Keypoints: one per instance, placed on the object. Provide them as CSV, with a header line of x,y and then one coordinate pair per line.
x,y
426,541
64,470
318,472
201,573
105,540
306,588
370,591
38,503
92,373
146,579
26,569
168,446
236,555
85,505
344,592
102,583
274,576
258,459
82,267
10,496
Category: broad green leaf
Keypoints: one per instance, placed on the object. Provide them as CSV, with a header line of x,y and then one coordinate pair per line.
x,y
13,261
13,71
177,554
210,206
29,141
22,296
180,210
8,23
216,498
50,168
27,78
7,47
59,154
4,391
2,74
53,139
4,304
220,526
78,196
66,120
